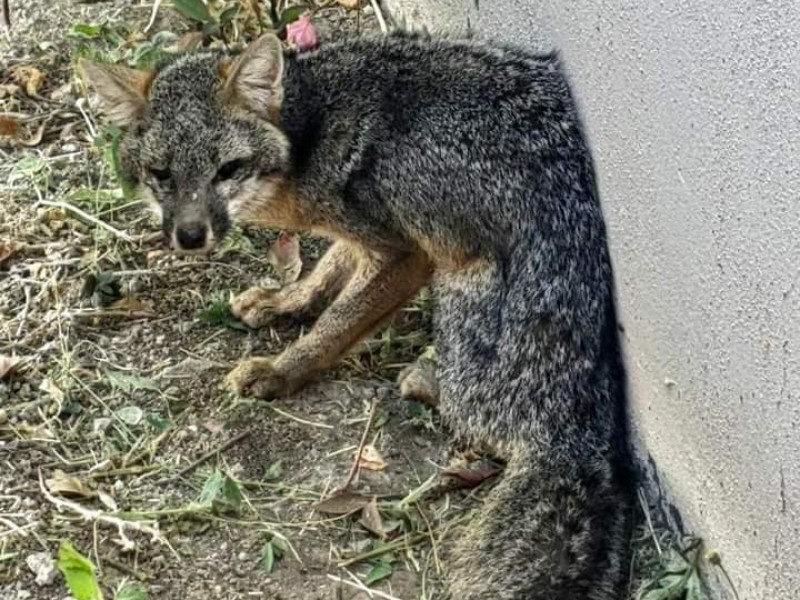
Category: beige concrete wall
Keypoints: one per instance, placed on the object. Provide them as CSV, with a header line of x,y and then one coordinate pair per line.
x,y
693,111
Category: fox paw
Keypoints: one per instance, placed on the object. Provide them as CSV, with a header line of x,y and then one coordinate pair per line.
x,y
418,382
258,378
256,307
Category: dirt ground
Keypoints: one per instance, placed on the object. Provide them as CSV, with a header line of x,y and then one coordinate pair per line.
x,y
116,434
117,381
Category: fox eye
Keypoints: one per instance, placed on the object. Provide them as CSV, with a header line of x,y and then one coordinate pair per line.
x,y
230,169
160,174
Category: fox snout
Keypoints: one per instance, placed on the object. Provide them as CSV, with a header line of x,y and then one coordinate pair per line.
x,y
193,229
192,236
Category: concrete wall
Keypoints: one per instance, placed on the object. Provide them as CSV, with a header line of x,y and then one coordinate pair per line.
x,y
693,111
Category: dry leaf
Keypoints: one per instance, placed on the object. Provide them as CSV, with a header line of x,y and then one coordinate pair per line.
x,y
284,256
132,304
470,478
350,3
187,42
108,501
6,251
371,518
67,485
30,78
7,364
371,459
9,127
213,426
52,389
342,503
8,89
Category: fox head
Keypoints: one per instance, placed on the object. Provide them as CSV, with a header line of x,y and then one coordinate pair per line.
x,y
200,136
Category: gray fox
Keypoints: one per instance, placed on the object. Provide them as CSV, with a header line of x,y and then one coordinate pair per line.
x,y
427,161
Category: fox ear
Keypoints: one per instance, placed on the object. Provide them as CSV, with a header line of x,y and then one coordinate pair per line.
x,y
122,90
254,79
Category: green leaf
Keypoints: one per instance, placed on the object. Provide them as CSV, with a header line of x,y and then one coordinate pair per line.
x,y
378,573
131,591
128,382
212,488
268,557
219,313
79,574
291,14
232,493
221,492
229,14
271,553
86,31
193,9
159,423
274,472
27,167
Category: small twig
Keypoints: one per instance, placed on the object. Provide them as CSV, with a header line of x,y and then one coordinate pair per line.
x,y
153,15
379,15
361,444
84,215
386,549
363,588
192,466
289,415
97,516
646,511
7,18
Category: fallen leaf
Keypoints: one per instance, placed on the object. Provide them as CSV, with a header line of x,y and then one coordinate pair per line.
x,y
284,256
213,426
67,485
9,127
187,42
6,251
8,89
189,367
7,365
132,304
371,518
371,459
350,3
129,382
378,573
130,415
53,390
13,134
108,501
470,478
342,503
131,591
30,78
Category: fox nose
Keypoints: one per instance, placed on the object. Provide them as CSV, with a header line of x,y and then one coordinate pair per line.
x,y
191,236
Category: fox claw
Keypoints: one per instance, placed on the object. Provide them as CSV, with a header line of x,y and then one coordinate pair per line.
x,y
257,377
255,307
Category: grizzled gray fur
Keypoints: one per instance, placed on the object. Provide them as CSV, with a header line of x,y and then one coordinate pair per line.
x,y
471,157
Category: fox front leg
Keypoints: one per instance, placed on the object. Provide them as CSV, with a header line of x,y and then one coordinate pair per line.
x,y
376,290
307,298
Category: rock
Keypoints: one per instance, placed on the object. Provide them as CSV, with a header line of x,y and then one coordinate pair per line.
x,y
43,566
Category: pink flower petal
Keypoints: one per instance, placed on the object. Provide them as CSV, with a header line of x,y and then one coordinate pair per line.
x,y
301,33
